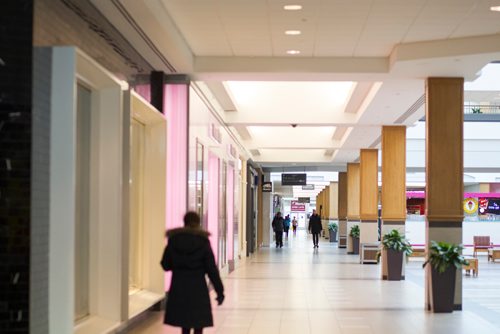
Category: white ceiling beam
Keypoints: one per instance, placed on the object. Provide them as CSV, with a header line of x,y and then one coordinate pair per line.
x,y
358,95
220,93
289,68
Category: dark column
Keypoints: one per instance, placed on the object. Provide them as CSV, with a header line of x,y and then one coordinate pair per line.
x,y
16,48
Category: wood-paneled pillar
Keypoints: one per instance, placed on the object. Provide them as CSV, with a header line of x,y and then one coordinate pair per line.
x,y
342,210
324,212
444,169
353,198
368,203
333,212
393,197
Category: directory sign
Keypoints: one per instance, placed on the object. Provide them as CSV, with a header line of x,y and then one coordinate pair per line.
x,y
294,179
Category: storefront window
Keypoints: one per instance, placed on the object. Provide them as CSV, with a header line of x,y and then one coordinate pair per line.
x,y
82,205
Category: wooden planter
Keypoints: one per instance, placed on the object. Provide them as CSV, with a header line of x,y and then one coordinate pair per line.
x,y
443,290
394,265
355,245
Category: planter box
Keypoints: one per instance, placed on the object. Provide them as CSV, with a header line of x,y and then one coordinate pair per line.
x,y
355,245
443,290
333,236
394,265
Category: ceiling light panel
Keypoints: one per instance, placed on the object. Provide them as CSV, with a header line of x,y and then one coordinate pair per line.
x,y
288,101
292,32
288,137
292,7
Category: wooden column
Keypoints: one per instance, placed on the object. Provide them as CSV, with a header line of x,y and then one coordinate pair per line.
x,y
332,204
368,210
444,169
352,200
342,207
393,183
333,213
325,201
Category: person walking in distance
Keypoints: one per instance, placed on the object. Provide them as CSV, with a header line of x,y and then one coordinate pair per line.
x,y
295,223
278,227
315,227
286,225
189,256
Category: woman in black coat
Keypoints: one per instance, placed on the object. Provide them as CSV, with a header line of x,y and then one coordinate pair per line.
x,y
189,256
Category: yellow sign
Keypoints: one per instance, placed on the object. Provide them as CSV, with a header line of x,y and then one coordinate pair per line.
x,y
470,205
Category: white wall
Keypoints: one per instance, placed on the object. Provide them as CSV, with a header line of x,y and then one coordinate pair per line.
x,y
415,232
481,145
201,118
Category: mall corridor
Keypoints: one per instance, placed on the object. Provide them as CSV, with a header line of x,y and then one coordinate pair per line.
x,y
299,290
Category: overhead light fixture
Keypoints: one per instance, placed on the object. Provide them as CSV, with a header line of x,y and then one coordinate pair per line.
x,y
292,7
293,52
495,8
293,32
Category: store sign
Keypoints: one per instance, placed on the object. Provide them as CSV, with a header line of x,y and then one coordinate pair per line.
x,y
308,187
267,187
470,205
297,207
304,200
294,179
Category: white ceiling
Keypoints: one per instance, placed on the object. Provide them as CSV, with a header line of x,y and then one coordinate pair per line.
x,y
379,51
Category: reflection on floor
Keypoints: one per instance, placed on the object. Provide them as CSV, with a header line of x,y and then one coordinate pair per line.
x,y
300,290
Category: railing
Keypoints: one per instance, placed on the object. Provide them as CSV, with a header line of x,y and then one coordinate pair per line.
x,y
481,109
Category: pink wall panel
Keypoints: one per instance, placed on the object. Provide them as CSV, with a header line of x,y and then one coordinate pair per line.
x,y
144,91
213,201
175,106
230,212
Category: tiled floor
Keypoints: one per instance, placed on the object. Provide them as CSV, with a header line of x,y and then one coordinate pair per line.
x,y
299,290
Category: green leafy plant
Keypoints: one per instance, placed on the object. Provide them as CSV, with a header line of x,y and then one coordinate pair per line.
x,y
333,226
397,241
476,110
354,231
444,255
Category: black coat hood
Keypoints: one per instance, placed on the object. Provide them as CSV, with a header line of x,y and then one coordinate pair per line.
x,y
188,246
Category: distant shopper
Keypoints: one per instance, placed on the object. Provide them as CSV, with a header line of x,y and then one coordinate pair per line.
x,y
189,256
286,225
295,223
278,227
315,227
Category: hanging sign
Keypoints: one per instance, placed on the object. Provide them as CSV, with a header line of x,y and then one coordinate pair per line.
x,y
297,207
294,179
267,187
304,200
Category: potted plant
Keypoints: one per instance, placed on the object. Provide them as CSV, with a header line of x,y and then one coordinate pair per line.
x,y
444,258
332,229
395,245
354,234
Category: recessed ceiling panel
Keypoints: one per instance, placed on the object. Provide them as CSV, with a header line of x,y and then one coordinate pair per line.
x,y
296,100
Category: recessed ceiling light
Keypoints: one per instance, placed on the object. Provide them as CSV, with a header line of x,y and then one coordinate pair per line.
x,y
293,52
293,32
292,7
495,8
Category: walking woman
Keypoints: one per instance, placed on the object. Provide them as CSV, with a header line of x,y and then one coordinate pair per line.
x,y
189,256
294,225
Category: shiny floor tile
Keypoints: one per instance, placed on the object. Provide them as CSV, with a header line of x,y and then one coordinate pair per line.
x,y
300,290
